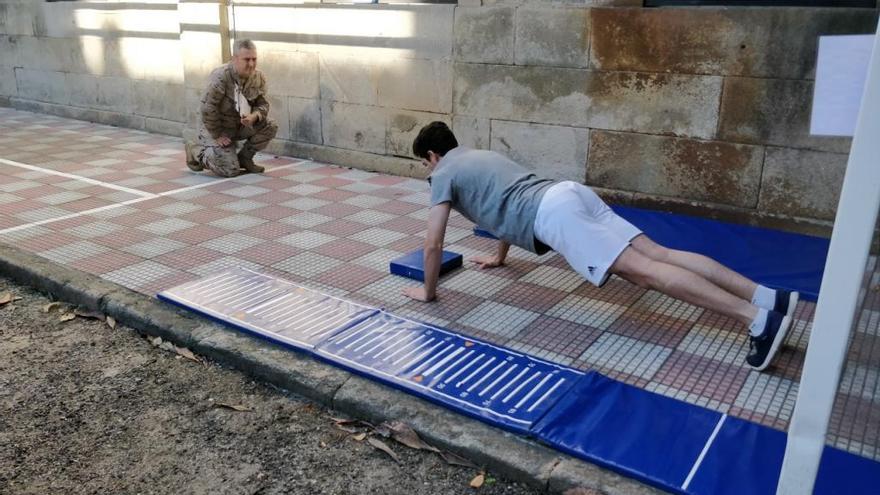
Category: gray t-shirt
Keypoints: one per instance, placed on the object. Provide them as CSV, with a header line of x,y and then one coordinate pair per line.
x,y
492,191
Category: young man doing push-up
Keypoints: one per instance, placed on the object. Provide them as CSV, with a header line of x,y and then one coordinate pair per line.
x,y
538,215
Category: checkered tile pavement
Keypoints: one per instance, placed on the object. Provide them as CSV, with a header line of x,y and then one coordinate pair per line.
x,y
336,229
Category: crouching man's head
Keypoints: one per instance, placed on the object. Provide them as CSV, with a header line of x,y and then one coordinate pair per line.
x,y
432,143
244,60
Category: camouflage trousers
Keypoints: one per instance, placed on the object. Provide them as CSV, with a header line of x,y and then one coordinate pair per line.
x,y
223,161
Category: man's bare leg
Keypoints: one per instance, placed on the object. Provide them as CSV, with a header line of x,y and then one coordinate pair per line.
x,y
683,284
706,267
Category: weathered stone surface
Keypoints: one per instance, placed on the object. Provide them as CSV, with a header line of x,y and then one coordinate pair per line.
x,y
552,36
348,158
159,100
44,53
760,41
484,34
654,103
290,73
7,81
651,103
366,31
114,94
472,132
701,170
349,79
802,183
413,84
355,127
17,17
304,120
48,86
573,473
193,103
772,111
404,126
158,60
580,3
162,126
278,111
201,54
531,94
83,90
551,151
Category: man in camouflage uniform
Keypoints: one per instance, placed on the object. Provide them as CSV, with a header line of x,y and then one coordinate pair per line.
x,y
234,108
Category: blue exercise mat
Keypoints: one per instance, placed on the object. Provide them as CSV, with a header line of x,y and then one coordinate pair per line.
x,y
412,265
774,258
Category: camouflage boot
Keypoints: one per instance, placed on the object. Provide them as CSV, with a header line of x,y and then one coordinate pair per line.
x,y
191,161
246,160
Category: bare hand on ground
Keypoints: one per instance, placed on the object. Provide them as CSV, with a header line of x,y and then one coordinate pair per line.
x,y
417,293
484,262
224,141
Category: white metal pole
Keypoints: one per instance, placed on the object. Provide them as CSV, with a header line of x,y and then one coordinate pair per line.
x,y
838,296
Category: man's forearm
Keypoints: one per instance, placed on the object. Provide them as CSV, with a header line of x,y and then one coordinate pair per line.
x,y
433,256
503,248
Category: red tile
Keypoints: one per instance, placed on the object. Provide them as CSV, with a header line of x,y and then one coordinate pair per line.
x,y
337,210
558,336
333,194
405,225
450,305
759,418
123,238
106,262
651,327
328,170
407,244
188,257
702,376
340,228
333,182
204,216
616,291
273,212
390,192
138,218
530,296
349,277
269,230
385,180
344,249
398,207
269,253
197,234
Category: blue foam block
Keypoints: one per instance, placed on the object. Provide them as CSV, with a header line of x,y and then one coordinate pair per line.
x,y
497,385
480,232
771,257
412,265
641,434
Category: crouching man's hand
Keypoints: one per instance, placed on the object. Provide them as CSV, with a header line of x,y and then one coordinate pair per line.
x,y
419,294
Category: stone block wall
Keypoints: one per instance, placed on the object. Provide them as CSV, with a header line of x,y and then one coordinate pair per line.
x,y
108,62
701,110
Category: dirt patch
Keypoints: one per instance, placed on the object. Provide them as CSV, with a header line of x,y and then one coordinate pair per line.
x,y
85,408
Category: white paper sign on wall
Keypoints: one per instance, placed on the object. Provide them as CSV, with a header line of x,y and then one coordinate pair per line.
x,y
841,69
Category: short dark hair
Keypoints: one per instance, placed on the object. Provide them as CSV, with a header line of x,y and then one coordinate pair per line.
x,y
436,137
244,44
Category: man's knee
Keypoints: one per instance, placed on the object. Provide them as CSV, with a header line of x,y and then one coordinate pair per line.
x,y
644,245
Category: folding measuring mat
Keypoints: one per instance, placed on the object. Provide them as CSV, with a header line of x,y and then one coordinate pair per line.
x,y
507,388
267,306
412,265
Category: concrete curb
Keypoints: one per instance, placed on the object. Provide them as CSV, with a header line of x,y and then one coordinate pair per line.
x,y
515,457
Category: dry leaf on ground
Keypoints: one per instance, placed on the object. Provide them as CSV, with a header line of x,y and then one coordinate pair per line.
x,y
234,407
456,460
403,433
360,437
52,305
582,491
7,297
183,351
67,317
478,480
379,444
92,315
111,322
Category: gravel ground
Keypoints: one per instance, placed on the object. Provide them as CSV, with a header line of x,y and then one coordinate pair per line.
x,y
85,408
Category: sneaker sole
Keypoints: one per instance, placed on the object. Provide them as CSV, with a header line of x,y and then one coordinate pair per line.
x,y
777,343
793,299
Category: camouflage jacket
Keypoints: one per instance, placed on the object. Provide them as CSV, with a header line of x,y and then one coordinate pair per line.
x,y
219,116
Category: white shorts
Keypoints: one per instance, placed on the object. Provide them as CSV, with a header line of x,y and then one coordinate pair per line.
x,y
577,224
